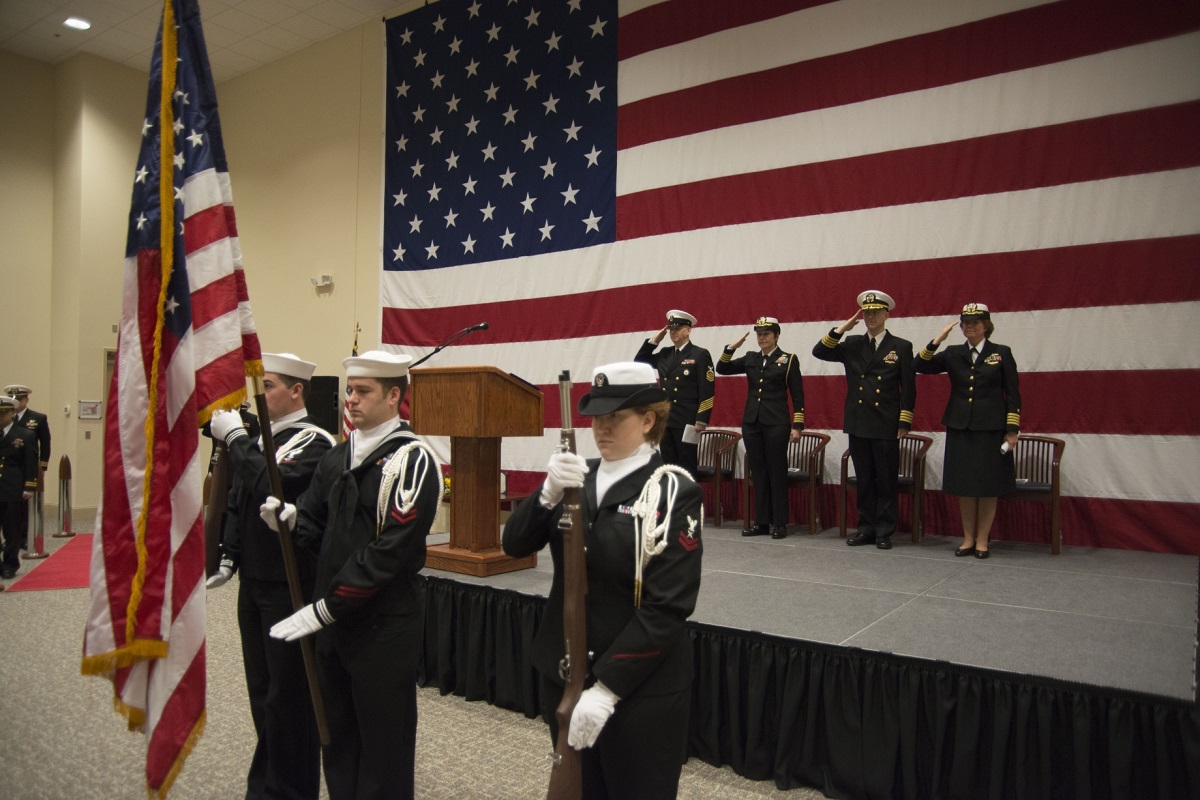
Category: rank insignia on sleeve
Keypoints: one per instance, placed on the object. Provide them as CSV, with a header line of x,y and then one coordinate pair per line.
x,y
687,539
710,375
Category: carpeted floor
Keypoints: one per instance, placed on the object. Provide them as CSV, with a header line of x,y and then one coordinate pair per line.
x,y
65,568
61,739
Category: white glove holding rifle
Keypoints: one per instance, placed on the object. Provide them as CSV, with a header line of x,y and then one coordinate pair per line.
x,y
594,708
267,512
565,471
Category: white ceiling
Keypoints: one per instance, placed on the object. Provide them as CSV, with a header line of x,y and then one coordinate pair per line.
x,y
240,34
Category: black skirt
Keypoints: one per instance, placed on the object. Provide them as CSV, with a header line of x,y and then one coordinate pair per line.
x,y
974,465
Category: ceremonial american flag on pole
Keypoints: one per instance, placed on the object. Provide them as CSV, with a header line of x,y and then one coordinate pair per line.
x,y
347,424
571,170
186,344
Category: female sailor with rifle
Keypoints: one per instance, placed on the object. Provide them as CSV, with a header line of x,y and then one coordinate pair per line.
x,y
641,523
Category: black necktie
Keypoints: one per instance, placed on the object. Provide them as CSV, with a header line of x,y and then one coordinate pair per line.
x,y
974,355
872,344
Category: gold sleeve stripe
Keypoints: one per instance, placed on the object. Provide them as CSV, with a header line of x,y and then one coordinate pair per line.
x,y
707,405
906,416
1014,419
829,341
927,354
727,356
798,417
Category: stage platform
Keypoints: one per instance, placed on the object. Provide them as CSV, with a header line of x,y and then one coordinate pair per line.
x,y
902,673
1108,618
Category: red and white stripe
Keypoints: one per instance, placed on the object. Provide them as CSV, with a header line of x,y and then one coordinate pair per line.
x,y
146,623
779,157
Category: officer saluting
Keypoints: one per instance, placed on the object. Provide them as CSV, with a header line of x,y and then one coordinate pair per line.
x,y
35,423
687,374
881,392
32,421
767,423
18,480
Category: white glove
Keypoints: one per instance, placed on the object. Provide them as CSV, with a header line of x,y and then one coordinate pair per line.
x,y
219,578
309,619
594,708
267,512
224,423
565,471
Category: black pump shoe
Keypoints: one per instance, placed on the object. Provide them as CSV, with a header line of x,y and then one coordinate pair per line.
x,y
965,551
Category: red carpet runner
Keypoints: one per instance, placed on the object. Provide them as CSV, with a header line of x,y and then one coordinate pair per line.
x,y
66,568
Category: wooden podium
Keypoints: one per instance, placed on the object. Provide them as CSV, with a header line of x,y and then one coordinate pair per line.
x,y
475,407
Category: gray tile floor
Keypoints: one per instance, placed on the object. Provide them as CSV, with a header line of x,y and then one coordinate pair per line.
x,y
1111,618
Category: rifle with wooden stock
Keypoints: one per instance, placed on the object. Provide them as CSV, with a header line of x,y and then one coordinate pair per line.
x,y
216,495
566,774
290,567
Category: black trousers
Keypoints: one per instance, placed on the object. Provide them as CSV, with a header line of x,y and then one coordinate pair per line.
x,y
877,467
368,675
13,514
676,451
640,751
766,450
287,758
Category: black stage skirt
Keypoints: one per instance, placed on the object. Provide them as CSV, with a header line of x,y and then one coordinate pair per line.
x,y
974,465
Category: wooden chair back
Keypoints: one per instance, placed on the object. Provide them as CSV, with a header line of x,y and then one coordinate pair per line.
x,y
1037,461
716,458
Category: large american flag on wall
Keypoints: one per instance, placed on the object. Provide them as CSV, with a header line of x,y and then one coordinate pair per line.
x,y
186,344
570,170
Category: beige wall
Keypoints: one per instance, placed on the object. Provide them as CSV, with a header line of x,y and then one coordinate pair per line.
x,y
303,137
27,161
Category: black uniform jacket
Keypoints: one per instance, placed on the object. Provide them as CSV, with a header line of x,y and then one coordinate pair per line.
x,y
362,571
881,385
647,650
246,540
18,462
36,423
769,386
687,376
984,396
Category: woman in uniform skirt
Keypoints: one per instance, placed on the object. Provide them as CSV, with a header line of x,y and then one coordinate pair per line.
x,y
982,419
642,538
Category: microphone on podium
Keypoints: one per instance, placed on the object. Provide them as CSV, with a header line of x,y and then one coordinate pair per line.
x,y
483,326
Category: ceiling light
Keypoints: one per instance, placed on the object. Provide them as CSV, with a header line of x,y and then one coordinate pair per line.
x,y
77,23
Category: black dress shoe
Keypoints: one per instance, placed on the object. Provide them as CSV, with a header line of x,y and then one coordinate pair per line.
x,y
8,573
965,551
883,544
757,530
779,532
982,553
859,539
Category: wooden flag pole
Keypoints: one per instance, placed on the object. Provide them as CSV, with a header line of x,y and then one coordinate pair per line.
x,y
289,557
